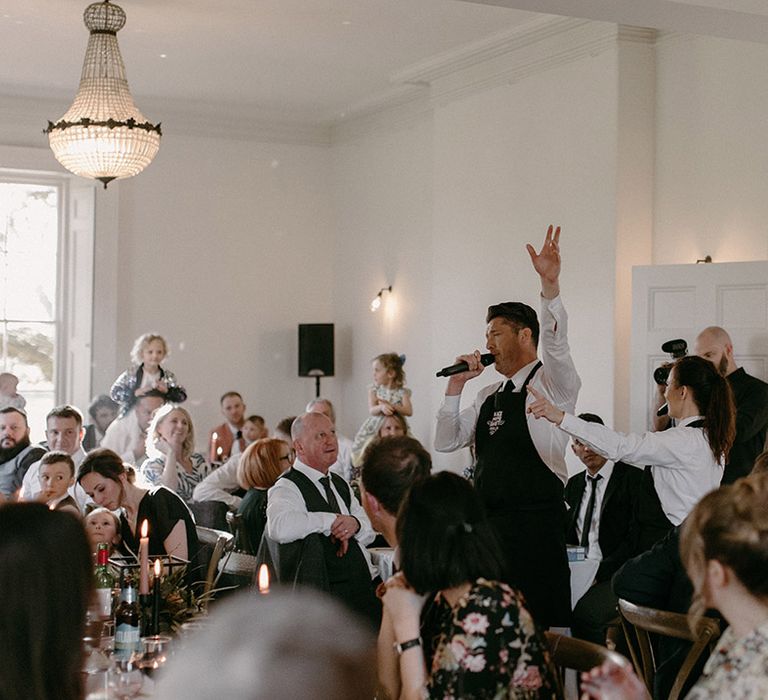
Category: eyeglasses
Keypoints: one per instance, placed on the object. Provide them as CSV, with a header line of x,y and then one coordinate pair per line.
x,y
287,458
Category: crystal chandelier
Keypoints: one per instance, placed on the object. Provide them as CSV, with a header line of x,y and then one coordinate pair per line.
x,y
103,135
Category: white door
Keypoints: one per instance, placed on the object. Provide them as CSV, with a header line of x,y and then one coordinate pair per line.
x,y
678,301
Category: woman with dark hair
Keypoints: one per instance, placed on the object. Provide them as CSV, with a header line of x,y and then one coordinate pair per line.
x,y
171,526
260,465
45,587
687,460
724,547
449,627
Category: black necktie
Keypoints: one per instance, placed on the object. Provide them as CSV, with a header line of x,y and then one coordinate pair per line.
x,y
505,392
590,511
329,495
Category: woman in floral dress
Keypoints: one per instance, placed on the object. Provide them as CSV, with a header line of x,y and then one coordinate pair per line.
x,y
450,629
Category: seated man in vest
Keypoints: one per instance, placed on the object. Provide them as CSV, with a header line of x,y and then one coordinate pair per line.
x,y
308,501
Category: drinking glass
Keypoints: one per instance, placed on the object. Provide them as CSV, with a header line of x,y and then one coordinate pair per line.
x,y
124,678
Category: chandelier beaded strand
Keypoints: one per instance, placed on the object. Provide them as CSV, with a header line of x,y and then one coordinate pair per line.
x,y
103,135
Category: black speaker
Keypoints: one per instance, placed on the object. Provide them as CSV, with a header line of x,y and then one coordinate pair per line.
x,y
315,349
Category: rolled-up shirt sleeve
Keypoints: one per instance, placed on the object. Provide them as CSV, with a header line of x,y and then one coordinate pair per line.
x,y
287,517
219,484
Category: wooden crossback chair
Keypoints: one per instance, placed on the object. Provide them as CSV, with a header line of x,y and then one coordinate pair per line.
x,y
638,622
218,542
578,655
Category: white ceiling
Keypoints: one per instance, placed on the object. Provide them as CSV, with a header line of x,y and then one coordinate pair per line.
x,y
308,61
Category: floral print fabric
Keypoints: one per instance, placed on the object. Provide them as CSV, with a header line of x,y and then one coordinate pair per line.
x,y
737,668
487,648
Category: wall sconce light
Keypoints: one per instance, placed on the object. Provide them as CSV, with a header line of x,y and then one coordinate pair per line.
x,y
376,303
707,259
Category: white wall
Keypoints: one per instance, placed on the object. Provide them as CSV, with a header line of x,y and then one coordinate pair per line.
x,y
224,248
712,151
383,199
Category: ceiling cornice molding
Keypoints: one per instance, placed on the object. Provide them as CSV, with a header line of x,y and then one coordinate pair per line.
x,y
387,117
503,58
568,41
26,117
486,49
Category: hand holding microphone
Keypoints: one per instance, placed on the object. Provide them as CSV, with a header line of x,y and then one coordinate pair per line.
x,y
467,363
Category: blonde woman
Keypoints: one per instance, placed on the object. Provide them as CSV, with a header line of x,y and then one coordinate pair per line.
x,y
171,460
260,466
724,547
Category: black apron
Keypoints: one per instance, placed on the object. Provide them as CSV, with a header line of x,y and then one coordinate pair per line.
x,y
525,505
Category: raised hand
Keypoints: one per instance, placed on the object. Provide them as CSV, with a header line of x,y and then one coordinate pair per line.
x,y
543,408
547,262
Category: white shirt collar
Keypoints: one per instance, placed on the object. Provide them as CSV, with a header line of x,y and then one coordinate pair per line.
x,y
519,377
688,421
605,472
313,474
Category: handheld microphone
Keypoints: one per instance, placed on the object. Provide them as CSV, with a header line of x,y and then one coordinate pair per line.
x,y
663,410
485,360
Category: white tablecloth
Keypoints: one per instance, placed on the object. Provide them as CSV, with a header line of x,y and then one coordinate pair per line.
x,y
582,574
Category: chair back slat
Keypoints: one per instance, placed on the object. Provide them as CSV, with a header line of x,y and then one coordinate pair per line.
x,y
638,622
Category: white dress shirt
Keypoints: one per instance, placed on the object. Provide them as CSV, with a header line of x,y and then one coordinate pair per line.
x,y
593,549
121,436
31,489
557,379
683,466
343,464
219,484
288,519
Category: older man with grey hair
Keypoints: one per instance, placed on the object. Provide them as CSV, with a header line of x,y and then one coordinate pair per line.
x,y
307,500
343,464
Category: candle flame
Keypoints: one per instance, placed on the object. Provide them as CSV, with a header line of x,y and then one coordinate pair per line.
x,y
215,436
157,567
144,528
263,579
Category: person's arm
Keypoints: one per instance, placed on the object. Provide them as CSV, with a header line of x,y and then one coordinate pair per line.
x,y
675,448
219,484
176,541
375,406
122,388
405,407
752,412
287,517
169,476
403,606
559,377
174,393
388,660
455,428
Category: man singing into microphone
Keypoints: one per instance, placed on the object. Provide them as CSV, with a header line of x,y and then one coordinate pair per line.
x,y
521,472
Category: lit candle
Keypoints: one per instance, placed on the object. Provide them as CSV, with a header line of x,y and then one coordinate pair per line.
x,y
219,452
156,599
263,579
144,560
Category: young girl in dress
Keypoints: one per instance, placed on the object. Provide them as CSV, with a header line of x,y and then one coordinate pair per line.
x,y
102,527
146,375
387,396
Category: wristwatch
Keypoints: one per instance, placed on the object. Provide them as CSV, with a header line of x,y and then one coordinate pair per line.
x,y
400,648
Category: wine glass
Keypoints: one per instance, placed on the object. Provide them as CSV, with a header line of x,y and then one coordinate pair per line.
x,y
155,654
124,678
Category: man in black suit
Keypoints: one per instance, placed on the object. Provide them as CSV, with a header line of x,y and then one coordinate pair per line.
x,y
603,504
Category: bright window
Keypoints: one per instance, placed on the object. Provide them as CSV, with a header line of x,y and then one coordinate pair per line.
x,y
29,254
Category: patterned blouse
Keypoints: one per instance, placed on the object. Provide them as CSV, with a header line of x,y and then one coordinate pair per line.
x,y
487,648
152,471
737,669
